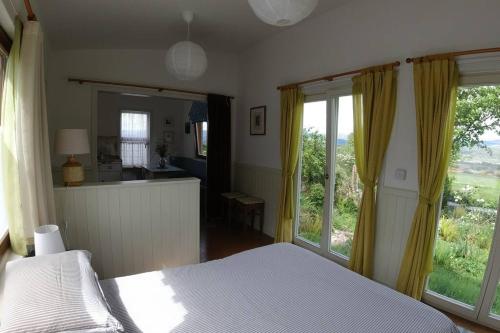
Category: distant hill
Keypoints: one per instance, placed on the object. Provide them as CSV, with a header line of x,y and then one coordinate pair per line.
x,y
492,143
481,155
341,142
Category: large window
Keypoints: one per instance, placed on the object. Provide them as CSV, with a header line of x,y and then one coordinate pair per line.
x,y
329,184
134,138
201,138
466,272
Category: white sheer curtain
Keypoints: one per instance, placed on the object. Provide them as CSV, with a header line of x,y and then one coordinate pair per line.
x,y
25,141
135,138
3,209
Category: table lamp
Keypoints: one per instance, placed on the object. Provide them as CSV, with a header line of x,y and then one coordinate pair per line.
x,y
72,142
48,240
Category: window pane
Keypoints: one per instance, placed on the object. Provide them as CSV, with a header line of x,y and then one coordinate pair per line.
x,y
135,139
312,192
347,186
470,198
495,309
201,138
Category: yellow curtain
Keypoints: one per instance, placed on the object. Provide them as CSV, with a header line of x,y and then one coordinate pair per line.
x,y
9,150
292,108
374,101
436,85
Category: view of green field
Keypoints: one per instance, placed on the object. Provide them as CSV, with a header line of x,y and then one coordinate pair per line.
x,y
470,197
488,186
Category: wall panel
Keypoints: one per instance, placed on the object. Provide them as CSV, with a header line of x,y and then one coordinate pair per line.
x,y
132,227
394,216
263,183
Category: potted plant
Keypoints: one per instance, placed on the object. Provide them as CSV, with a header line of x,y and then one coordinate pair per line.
x,y
162,150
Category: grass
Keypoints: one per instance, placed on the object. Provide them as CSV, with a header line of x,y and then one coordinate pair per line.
x,y
488,187
454,285
458,287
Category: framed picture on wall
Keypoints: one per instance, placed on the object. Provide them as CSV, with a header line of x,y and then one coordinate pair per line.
x,y
258,120
169,136
169,122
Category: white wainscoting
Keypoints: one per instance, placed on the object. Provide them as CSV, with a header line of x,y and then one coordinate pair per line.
x,y
133,227
394,217
261,182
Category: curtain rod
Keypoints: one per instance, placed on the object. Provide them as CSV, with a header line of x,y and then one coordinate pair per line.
x,y
29,10
454,54
123,84
334,76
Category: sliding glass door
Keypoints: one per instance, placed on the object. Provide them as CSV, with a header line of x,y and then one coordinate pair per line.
x,y
313,166
347,190
328,181
466,255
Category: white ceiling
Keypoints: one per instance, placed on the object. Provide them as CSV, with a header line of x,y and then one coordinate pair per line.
x,y
226,25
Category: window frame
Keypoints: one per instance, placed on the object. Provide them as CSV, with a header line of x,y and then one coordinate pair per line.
x,y
331,96
198,140
479,312
148,158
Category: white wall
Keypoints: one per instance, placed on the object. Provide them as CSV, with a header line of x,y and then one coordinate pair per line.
x,y
359,34
133,227
70,105
110,105
7,16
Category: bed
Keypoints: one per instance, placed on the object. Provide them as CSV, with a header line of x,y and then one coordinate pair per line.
x,y
276,288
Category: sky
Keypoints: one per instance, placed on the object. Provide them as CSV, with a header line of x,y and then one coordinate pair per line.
x,y
315,116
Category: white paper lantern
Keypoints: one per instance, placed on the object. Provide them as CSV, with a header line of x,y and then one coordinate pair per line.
x,y
282,12
186,60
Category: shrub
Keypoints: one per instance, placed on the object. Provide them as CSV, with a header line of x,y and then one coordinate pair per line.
x,y
443,253
310,226
448,230
314,198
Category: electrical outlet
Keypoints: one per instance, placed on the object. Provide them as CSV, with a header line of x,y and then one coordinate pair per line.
x,y
400,174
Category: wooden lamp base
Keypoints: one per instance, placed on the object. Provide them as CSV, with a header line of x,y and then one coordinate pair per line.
x,y
73,174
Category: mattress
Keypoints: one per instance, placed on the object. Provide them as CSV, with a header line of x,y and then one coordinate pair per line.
x,y
276,288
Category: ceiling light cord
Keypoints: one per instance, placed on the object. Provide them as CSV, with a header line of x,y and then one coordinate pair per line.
x,y
188,17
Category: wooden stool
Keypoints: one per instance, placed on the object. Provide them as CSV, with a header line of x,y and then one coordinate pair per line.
x,y
228,201
250,206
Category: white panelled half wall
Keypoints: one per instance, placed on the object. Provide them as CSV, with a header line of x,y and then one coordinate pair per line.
x,y
132,227
263,183
395,209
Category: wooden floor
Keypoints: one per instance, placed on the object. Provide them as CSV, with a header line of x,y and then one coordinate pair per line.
x,y
218,242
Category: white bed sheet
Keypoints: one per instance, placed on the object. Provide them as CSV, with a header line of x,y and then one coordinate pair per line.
x,y
277,288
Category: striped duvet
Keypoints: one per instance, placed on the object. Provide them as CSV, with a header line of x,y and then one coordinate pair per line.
x,y
277,288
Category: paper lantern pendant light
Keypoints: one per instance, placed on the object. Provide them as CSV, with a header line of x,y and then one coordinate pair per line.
x,y
282,12
186,60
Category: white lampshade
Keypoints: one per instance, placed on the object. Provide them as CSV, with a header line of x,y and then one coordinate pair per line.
x,y
48,240
186,60
72,142
282,12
